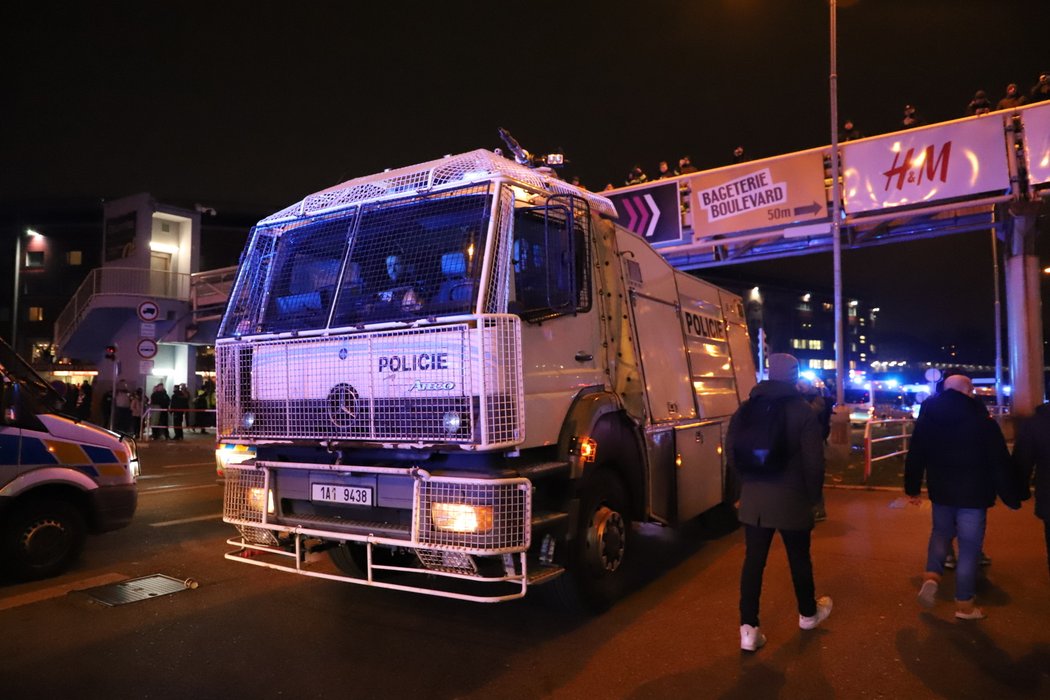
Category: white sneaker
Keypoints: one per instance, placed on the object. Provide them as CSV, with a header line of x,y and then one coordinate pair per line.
x,y
928,593
751,638
823,610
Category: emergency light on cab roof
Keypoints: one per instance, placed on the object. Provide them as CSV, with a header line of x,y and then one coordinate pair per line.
x,y
449,446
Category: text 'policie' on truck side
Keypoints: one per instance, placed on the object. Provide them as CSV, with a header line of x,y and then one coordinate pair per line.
x,y
461,378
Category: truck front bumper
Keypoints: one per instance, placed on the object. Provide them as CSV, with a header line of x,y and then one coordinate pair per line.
x,y
492,552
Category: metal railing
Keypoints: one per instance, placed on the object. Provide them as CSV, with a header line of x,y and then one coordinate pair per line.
x,y
210,290
122,281
906,425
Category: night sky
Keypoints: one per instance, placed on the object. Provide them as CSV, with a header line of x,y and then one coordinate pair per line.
x,y
253,105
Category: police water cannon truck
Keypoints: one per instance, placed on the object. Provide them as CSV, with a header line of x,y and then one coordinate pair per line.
x,y
463,378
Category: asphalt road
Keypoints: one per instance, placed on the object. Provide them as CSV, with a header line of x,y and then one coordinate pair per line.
x,y
248,632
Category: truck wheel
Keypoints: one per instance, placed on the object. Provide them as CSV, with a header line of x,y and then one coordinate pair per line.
x,y
596,573
42,538
351,558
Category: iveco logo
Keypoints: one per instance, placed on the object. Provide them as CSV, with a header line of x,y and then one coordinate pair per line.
x,y
431,386
342,405
343,353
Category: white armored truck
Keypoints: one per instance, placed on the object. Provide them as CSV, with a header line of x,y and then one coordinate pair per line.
x,y
462,378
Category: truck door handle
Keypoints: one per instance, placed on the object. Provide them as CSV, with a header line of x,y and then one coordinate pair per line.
x,y
582,356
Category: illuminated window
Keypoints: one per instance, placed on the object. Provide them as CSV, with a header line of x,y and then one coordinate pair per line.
x,y
74,257
36,313
815,344
797,343
829,364
34,258
816,364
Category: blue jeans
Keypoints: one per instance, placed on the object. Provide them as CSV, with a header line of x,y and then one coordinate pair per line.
x,y
967,525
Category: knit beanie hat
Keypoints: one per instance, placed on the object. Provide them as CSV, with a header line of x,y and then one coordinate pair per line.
x,y
783,368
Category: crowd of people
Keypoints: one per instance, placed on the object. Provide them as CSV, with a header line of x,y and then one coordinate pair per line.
x,y
775,453
128,406
1013,97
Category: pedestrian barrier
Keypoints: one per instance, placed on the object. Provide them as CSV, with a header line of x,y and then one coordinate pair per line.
x,y
875,425
146,427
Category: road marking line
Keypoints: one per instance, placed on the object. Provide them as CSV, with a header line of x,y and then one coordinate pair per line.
x,y
59,590
166,523
192,464
172,489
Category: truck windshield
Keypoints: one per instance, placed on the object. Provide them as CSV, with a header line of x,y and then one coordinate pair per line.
x,y
391,261
40,395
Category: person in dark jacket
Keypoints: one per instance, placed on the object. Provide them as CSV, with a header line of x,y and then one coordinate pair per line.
x,y
961,453
781,502
1012,99
980,104
159,401
180,404
1032,454
1041,90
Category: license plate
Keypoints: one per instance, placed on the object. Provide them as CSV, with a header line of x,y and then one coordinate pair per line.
x,y
338,493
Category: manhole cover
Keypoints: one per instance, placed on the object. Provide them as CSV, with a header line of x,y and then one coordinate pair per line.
x,y
137,589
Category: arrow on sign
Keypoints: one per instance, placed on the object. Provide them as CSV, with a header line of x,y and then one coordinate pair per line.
x,y
642,214
813,208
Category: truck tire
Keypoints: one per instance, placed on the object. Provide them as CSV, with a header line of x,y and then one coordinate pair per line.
x,y
41,538
351,558
596,575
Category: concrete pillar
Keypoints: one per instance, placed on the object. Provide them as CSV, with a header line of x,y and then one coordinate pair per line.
x,y
1024,318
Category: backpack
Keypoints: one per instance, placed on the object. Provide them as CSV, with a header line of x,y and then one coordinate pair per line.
x,y
760,440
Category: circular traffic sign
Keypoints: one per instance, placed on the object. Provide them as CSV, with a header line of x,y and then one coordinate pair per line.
x,y
147,348
933,375
149,311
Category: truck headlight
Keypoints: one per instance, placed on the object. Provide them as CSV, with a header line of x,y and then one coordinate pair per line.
x,y
228,455
461,517
452,422
256,498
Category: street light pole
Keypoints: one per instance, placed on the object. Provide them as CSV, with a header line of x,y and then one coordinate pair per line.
x,y
14,293
836,211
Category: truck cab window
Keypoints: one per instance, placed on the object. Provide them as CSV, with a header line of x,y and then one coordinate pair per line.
x,y
549,261
304,280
